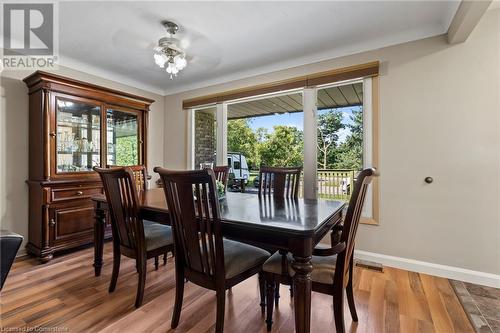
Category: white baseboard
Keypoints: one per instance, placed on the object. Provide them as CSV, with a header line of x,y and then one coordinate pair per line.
x,y
449,272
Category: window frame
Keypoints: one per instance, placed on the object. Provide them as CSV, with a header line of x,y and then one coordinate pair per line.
x,y
370,136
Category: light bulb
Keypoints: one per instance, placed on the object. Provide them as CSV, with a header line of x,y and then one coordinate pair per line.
x,y
180,62
160,59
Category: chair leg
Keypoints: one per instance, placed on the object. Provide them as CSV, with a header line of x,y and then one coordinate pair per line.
x,y
221,306
164,258
262,290
277,294
142,280
270,289
179,295
116,269
156,263
350,295
291,290
338,309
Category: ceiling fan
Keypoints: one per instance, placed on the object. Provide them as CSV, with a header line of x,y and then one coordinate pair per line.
x,y
169,54
199,51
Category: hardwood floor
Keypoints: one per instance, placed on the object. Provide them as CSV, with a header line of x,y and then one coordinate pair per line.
x,y
64,294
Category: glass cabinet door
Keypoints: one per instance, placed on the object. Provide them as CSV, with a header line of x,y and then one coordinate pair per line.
x,y
122,138
78,141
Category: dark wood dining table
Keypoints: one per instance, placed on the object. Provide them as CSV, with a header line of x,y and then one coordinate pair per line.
x,y
294,225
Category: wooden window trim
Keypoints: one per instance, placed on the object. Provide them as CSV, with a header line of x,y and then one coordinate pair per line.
x,y
375,219
370,69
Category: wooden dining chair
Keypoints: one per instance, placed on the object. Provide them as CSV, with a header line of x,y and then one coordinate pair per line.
x,y
279,182
141,182
332,267
132,236
203,256
221,174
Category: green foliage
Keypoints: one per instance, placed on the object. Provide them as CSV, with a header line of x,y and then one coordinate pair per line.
x,y
283,147
126,150
241,138
349,155
328,126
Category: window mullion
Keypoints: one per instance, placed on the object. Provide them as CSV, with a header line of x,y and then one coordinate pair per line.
x,y
310,138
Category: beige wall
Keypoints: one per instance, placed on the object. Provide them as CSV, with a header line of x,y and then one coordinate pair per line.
x,y
439,117
14,141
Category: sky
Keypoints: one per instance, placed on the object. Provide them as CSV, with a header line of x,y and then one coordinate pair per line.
x,y
297,120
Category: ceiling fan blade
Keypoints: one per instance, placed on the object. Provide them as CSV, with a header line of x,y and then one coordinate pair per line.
x,y
131,40
203,61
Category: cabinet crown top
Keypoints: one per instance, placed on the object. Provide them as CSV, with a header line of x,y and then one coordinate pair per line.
x,y
41,79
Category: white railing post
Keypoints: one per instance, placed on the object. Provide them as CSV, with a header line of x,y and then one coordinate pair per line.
x,y
310,138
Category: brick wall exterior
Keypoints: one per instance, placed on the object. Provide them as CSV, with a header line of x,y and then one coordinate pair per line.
x,y
204,138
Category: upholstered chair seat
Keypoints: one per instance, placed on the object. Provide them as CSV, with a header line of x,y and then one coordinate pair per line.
x,y
323,267
239,257
157,235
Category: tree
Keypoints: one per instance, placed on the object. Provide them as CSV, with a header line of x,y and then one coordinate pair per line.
x,y
349,154
283,147
241,138
328,126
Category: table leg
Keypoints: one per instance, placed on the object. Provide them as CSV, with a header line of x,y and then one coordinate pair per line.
x,y
302,293
100,216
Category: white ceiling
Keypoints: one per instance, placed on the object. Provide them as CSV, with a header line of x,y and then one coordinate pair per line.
x,y
232,40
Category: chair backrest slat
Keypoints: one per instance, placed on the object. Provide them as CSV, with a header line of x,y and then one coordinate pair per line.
x,y
353,216
192,202
279,182
140,175
221,174
121,193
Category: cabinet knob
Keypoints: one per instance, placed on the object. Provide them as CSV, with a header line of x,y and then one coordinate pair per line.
x,y
53,134
79,193
52,222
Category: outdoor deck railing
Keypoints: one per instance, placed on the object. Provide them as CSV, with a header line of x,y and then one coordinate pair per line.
x,y
333,184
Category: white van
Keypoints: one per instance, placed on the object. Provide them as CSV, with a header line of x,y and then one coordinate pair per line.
x,y
238,166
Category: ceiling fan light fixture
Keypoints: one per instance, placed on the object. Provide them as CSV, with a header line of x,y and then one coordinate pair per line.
x,y
169,53
160,59
180,61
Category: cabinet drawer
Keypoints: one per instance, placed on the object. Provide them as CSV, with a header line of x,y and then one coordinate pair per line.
x,y
63,194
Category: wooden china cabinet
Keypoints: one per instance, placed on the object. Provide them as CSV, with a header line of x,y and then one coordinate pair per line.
x,y
74,126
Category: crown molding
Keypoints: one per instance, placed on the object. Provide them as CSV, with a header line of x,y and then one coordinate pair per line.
x,y
107,75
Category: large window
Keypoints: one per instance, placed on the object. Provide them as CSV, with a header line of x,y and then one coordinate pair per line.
x,y
265,131
339,139
328,129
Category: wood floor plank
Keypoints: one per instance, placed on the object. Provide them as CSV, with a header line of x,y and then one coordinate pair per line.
x,y
64,293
